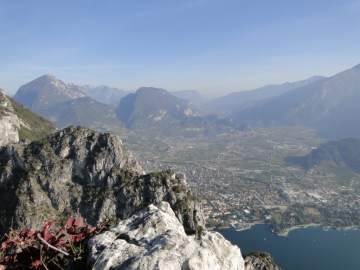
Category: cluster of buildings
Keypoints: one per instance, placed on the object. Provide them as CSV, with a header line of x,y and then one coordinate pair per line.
x,y
235,196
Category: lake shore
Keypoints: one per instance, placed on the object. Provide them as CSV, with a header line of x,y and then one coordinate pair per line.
x,y
325,228
296,251
286,231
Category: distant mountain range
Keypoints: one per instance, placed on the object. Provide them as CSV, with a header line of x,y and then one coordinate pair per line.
x,y
330,105
237,101
106,94
149,109
47,91
70,104
343,154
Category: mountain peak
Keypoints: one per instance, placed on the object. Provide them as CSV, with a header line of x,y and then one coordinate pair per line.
x,y
47,91
146,90
151,106
48,76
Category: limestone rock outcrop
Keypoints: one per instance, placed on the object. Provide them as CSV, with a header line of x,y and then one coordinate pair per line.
x,y
9,122
260,261
153,238
79,171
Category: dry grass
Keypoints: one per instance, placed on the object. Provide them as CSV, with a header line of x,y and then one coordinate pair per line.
x,y
313,211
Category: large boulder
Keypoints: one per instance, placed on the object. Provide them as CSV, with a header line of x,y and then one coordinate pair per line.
x,y
153,238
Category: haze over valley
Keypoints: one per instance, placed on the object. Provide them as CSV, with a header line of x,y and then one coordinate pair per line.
x,y
259,154
148,134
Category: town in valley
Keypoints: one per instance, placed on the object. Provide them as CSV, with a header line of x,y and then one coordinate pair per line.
x,y
242,179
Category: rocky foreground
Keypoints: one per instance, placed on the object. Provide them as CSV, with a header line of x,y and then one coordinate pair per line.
x,y
157,222
153,238
77,171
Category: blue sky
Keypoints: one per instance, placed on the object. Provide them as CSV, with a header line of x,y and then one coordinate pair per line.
x,y
215,47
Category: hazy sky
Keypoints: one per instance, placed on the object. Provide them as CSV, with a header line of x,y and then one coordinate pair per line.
x,y
215,47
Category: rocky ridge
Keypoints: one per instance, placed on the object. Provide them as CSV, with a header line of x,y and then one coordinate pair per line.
x,y
153,238
329,105
260,261
79,171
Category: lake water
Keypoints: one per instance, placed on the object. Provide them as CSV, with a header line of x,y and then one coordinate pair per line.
x,y
311,248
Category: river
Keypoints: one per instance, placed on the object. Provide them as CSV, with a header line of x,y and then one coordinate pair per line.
x,y
311,248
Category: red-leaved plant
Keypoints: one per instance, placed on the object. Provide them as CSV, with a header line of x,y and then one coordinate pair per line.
x,y
31,249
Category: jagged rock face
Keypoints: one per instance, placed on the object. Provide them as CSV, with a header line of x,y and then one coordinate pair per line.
x,y
79,171
153,238
9,122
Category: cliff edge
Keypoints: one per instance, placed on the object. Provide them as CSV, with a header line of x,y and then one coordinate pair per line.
x,y
77,171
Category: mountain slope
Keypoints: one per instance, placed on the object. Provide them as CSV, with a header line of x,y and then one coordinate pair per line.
x,y
343,154
313,104
32,125
83,111
9,122
342,120
191,95
240,100
19,123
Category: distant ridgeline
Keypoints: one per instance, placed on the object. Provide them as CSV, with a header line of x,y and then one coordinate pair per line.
x,y
330,105
343,154
149,110
68,104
